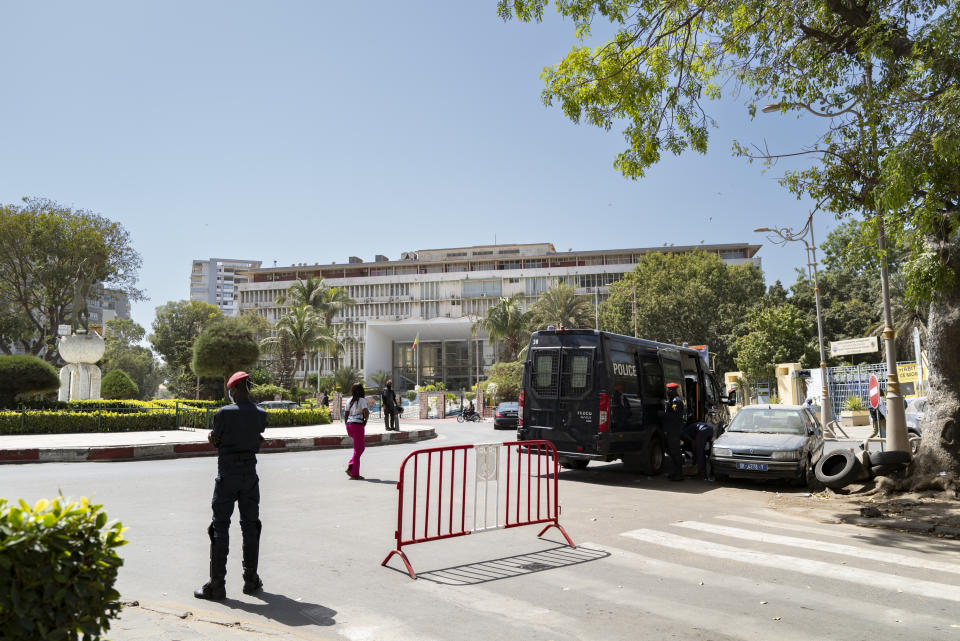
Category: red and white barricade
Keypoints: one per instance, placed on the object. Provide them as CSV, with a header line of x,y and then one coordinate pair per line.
x,y
445,492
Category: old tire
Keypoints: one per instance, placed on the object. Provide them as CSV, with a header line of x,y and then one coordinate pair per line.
x,y
886,470
838,469
893,457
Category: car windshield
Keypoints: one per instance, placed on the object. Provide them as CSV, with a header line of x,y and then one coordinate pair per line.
x,y
767,421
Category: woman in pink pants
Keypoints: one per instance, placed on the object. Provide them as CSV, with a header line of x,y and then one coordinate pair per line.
x,y
356,419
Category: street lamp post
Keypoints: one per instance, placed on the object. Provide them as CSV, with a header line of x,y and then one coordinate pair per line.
x,y
788,235
896,419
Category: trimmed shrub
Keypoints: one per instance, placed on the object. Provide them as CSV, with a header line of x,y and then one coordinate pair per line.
x,y
411,395
117,384
268,393
58,565
295,418
25,375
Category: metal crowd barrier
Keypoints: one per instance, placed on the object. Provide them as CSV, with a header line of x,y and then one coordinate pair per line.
x,y
436,500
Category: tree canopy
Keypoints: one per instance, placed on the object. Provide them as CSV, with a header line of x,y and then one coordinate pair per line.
x,y
691,298
123,352
175,328
45,250
561,306
225,346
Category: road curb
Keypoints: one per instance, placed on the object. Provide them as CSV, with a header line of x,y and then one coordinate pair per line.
x,y
156,451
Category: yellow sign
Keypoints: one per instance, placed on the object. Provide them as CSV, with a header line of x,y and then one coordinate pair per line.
x,y
909,385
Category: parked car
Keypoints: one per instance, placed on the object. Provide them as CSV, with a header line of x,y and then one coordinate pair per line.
x,y
769,441
506,416
914,414
279,405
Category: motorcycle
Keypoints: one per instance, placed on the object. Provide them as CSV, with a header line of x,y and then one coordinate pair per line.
x,y
472,417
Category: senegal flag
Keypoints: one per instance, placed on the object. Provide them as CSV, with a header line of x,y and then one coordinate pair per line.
x,y
416,341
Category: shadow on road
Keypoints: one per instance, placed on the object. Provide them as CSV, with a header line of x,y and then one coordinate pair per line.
x,y
285,610
384,481
615,474
509,567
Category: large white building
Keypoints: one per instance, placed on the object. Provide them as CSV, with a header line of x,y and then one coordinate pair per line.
x,y
215,281
438,294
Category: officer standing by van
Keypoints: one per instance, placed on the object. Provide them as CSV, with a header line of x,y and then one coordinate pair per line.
x,y
236,434
674,419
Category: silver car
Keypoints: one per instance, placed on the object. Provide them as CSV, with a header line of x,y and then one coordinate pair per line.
x,y
769,441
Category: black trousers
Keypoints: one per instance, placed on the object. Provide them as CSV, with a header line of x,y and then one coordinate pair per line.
x,y
237,483
674,435
391,417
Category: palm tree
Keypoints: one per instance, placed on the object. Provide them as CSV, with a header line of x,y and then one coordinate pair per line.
x,y
506,322
379,378
302,330
304,292
330,302
334,341
560,306
344,378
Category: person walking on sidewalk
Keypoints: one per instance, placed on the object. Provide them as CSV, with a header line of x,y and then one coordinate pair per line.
x,y
236,434
389,399
356,416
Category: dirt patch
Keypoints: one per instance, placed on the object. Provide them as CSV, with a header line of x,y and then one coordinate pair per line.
x,y
931,513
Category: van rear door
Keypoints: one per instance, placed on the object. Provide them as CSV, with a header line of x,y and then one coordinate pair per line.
x,y
561,401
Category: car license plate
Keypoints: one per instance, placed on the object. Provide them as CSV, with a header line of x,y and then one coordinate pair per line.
x,y
756,467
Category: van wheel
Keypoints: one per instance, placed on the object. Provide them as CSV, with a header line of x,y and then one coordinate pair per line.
x,y
647,461
574,464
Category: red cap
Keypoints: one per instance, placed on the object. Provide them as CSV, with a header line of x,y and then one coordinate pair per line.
x,y
669,385
236,378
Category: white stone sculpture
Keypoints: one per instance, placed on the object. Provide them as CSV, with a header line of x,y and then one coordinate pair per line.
x,y
80,377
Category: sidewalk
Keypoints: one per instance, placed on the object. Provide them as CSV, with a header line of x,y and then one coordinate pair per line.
x,y
127,446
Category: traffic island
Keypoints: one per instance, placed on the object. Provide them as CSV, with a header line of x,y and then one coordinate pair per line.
x,y
133,446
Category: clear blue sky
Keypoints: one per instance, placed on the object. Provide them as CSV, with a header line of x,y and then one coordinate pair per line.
x,y
308,131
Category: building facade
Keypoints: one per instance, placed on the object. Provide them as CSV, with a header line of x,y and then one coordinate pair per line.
x,y
215,281
434,297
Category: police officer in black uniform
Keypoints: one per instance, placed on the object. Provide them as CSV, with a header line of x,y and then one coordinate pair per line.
x,y
236,434
674,420
388,398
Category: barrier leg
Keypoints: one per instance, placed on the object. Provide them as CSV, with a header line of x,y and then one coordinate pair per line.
x,y
403,557
559,527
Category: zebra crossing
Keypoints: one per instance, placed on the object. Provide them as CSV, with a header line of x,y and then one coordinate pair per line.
x,y
744,576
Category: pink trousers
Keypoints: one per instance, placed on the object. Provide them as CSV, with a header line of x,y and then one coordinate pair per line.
x,y
355,430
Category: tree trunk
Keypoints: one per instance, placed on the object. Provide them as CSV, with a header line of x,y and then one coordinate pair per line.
x,y
940,447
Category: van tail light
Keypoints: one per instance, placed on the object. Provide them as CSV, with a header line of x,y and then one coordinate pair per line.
x,y
604,425
520,410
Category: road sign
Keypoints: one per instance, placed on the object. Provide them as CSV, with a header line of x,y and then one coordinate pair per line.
x,y
854,346
874,392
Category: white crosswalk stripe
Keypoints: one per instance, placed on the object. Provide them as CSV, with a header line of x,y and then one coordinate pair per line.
x,y
919,587
823,546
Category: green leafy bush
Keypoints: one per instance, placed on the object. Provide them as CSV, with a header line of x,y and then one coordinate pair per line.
x,y
854,404
268,393
58,565
137,416
411,395
24,374
118,385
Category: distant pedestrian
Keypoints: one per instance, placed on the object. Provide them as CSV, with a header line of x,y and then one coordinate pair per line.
x,y
236,434
356,416
390,406
673,424
325,398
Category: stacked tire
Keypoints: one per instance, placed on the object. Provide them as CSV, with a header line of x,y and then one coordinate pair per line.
x,y
885,463
838,469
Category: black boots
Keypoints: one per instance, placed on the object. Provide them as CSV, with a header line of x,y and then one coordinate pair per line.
x,y
251,555
253,585
212,591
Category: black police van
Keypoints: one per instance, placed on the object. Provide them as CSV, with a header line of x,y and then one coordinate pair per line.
x,y
600,396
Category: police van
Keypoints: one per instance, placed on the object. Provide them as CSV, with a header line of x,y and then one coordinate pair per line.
x,y
600,396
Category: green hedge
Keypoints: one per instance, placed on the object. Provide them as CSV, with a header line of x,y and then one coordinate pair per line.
x,y
58,566
139,418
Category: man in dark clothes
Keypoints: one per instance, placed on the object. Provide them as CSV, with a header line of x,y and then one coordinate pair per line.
x,y
236,434
673,424
390,404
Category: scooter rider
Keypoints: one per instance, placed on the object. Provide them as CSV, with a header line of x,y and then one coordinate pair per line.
x,y
673,424
236,434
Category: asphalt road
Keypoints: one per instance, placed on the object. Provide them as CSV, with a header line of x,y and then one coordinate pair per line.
x,y
655,560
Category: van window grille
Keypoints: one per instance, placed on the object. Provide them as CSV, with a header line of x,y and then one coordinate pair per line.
x,y
576,373
545,369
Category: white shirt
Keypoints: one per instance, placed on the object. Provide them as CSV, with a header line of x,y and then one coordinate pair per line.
x,y
355,410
